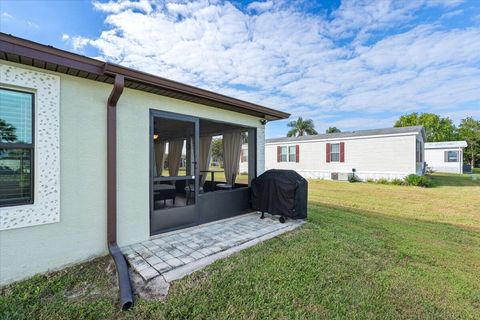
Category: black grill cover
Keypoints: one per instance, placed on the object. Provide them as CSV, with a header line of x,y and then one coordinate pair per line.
x,y
282,192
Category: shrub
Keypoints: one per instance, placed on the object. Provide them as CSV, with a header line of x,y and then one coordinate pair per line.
x,y
354,178
418,181
370,180
397,182
382,181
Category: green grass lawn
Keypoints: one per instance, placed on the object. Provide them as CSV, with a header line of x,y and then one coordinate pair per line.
x,y
367,251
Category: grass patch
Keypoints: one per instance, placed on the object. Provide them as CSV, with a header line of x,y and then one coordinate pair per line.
x,y
367,251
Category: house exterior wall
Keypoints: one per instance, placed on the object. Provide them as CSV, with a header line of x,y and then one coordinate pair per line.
x,y
435,159
372,157
80,233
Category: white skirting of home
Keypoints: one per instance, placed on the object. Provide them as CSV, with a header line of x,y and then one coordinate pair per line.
x,y
363,175
447,169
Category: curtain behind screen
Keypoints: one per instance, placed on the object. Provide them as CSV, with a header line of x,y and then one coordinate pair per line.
x,y
232,147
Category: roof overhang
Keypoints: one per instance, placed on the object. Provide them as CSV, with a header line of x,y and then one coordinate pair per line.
x,y
34,54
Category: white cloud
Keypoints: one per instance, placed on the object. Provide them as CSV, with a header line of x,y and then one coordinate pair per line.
x,y
260,6
6,15
119,6
452,14
309,65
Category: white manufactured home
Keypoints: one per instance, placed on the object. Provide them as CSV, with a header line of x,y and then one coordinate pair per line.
x,y
445,156
373,154
91,158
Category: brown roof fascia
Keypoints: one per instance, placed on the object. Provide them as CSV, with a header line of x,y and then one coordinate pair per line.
x,y
50,54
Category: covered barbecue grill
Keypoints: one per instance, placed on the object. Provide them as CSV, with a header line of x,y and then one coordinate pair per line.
x,y
280,192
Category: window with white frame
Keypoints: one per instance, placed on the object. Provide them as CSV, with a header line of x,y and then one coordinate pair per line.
x,y
291,154
283,154
451,156
335,152
288,154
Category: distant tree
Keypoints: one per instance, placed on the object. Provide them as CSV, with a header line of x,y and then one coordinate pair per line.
x,y
332,130
436,127
469,130
244,137
217,150
7,132
301,127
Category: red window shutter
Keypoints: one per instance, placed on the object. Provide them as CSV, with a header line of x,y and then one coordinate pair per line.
x,y
342,151
297,153
279,150
328,152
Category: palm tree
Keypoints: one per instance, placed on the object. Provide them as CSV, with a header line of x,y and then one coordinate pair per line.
x,y
301,127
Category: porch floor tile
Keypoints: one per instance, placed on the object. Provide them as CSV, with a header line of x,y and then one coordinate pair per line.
x,y
168,251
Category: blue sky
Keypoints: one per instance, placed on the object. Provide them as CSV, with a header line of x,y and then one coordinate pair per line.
x,y
350,64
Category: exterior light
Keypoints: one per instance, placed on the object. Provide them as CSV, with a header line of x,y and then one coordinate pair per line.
x,y
155,136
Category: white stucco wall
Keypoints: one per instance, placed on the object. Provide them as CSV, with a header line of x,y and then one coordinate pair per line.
x,y
436,161
376,157
81,231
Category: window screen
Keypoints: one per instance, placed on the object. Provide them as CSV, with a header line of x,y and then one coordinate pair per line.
x,y
283,154
335,152
291,154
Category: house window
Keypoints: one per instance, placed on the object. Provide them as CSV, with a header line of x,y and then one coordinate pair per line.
x,y
283,154
335,152
291,154
16,147
287,154
451,156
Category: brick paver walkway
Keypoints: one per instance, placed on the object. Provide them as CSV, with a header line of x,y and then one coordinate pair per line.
x,y
171,250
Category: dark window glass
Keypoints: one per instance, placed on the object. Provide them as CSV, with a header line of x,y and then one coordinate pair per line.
x,y
16,147
16,116
15,176
452,156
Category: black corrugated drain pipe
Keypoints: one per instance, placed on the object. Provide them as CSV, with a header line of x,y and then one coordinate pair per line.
x,y
126,295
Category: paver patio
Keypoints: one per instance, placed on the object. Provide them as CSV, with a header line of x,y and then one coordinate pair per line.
x,y
202,244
